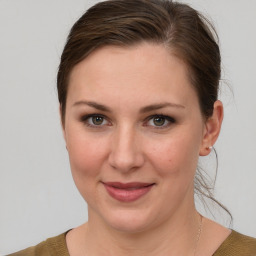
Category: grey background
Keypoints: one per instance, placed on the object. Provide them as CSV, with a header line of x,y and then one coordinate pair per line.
x,y
37,196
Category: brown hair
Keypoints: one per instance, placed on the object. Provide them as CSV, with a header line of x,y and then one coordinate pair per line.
x,y
185,32
127,22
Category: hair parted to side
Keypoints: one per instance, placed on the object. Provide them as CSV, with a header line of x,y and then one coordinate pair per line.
x,y
178,27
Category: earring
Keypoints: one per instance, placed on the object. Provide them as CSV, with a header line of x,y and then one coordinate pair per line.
x,y
209,148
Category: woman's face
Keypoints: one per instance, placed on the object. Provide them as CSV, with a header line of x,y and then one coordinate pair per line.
x,y
134,131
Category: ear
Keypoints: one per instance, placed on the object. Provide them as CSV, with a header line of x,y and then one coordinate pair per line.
x,y
212,129
62,122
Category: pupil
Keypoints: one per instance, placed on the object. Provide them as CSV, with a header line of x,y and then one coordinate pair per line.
x,y
97,120
159,121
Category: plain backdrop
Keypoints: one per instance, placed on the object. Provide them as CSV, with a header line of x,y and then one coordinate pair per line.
x,y
37,196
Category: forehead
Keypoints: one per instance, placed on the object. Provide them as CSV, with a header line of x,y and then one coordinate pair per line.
x,y
145,71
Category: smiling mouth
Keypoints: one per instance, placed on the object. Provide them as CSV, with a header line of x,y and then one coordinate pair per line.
x,y
127,192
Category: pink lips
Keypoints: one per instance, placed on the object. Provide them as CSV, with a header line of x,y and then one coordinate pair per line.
x,y
127,192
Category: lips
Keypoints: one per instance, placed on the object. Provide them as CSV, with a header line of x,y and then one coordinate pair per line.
x,y
127,192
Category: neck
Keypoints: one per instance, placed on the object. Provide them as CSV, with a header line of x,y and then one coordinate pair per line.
x,y
176,236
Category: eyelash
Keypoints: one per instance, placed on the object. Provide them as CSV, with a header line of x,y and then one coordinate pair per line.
x,y
170,120
85,120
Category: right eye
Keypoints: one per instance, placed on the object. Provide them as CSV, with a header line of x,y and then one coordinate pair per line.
x,y
94,120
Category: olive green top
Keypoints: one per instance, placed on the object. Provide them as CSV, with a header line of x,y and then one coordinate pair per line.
x,y
235,245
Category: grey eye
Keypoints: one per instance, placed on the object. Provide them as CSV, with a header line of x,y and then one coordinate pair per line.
x,y
97,120
159,121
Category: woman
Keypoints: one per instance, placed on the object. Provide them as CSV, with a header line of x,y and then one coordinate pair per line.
x,y
138,90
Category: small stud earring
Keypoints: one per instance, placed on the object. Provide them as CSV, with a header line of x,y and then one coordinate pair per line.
x,y
209,148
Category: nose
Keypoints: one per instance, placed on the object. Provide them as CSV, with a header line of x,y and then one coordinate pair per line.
x,y
126,151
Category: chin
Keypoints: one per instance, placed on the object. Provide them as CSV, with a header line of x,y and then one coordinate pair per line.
x,y
130,221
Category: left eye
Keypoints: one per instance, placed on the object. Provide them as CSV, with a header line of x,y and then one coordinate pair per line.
x,y
160,121
94,120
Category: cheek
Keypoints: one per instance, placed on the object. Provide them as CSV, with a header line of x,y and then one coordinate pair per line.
x,y
87,157
86,154
176,155
175,161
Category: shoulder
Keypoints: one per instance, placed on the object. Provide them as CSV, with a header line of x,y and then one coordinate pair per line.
x,y
237,244
54,246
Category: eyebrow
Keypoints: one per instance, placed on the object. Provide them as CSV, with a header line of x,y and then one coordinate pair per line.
x,y
159,106
93,105
142,110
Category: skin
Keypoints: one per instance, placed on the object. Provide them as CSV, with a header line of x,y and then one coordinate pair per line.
x,y
120,84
